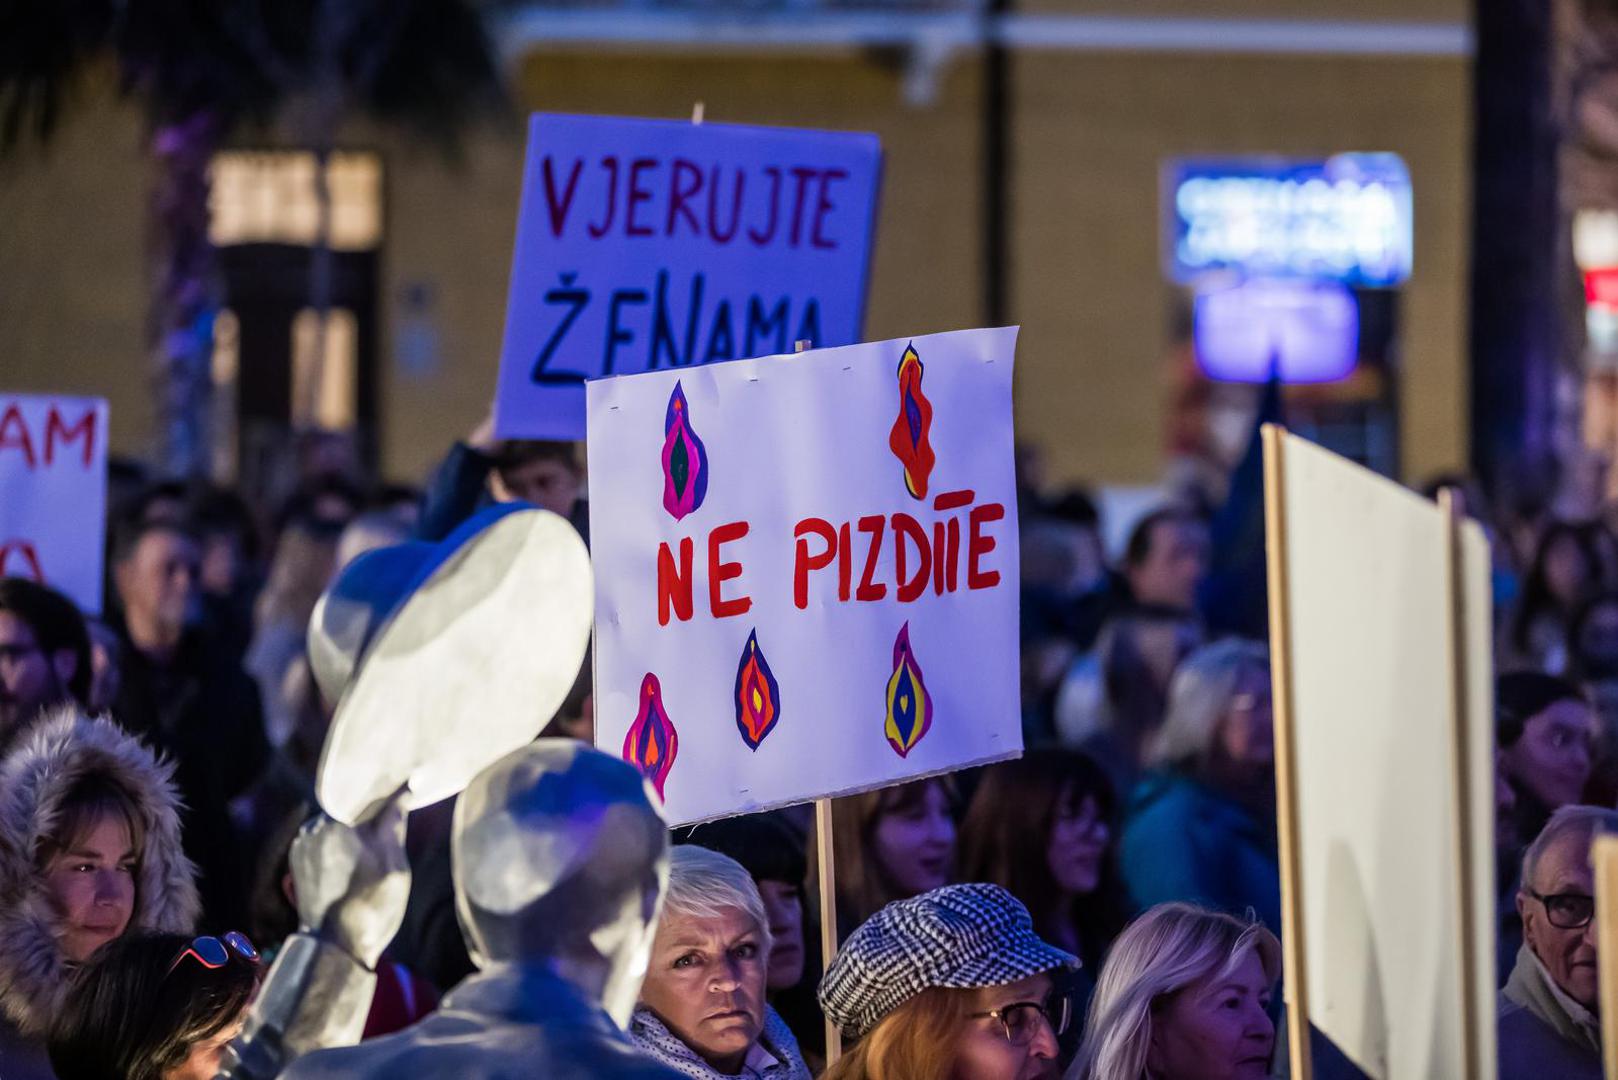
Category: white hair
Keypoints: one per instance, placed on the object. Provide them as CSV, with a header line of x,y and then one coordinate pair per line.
x,y
1584,822
1199,697
1164,951
704,884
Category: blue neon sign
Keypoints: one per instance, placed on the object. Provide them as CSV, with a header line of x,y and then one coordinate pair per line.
x,y
1345,219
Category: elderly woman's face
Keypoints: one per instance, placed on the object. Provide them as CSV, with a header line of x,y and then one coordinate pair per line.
x,y
706,983
1217,1028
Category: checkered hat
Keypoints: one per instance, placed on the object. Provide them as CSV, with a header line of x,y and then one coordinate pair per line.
x,y
960,936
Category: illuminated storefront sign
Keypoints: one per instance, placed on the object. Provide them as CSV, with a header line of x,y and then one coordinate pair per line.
x,y
1311,329
1345,219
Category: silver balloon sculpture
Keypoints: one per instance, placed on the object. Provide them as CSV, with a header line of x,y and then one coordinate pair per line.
x,y
559,854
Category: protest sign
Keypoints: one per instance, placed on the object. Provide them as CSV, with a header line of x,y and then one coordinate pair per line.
x,y
806,570
648,244
53,493
1381,658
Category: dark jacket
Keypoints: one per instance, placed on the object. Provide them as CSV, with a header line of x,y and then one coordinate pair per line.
x,y
203,712
507,1023
35,777
1184,841
1542,1031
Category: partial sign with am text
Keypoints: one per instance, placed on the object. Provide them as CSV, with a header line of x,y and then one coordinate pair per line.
x,y
53,492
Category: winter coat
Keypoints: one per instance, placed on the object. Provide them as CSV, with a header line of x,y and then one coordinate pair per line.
x,y
506,1023
1542,1031
660,1044
1184,841
35,777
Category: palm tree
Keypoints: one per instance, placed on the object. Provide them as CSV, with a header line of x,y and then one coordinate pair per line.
x,y
201,70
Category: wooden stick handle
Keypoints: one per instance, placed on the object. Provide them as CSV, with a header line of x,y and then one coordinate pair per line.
x,y
1604,856
1286,766
827,867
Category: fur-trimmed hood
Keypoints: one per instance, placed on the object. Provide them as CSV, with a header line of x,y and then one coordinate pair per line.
x,y
35,777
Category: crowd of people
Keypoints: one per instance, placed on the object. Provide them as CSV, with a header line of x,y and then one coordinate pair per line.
x,y
1106,907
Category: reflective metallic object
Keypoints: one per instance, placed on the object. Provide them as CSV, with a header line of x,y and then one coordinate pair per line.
x,y
444,657
560,862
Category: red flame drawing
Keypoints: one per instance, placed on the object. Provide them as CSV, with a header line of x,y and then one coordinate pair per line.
x,y
908,439
651,744
758,696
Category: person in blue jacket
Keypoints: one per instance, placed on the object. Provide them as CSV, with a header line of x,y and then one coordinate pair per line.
x,y
1201,825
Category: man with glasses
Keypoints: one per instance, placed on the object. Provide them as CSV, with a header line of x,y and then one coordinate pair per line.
x,y
44,655
1548,1024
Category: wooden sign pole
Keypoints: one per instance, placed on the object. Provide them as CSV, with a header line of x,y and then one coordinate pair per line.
x,y
1604,858
827,867
826,871
1286,766
1460,749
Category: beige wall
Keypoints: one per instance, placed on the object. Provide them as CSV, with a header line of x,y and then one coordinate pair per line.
x,y
72,277
1090,133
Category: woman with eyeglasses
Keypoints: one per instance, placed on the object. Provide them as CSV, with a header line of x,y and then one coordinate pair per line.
x,y
155,1007
1185,995
952,983
89,849
1201,827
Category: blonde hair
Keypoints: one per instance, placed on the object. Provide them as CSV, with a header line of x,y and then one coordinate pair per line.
x,y
1162,952
704,884
1199,697
916,1041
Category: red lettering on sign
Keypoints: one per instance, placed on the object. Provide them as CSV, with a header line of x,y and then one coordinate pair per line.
x,y
803,562
24,551
674,583
637,195
55,428
559,207
720,572
905,528
979,545
14,434
869,589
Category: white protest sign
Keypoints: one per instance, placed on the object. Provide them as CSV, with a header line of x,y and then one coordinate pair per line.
x,y
1384,711
807,570
53,492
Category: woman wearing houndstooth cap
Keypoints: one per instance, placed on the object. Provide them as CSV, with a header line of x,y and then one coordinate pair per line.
x,y
951,983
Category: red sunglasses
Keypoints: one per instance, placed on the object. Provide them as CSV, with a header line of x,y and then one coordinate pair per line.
x,y
214,952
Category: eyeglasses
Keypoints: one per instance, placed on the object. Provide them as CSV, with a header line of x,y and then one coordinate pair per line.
x,y
1020,1020
213,953
1568,910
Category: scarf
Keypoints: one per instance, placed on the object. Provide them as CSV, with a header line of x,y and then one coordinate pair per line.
x,y
1531,987
660,1044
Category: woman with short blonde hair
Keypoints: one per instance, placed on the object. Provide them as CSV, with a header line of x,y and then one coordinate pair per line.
x,y
702,1011
1184,995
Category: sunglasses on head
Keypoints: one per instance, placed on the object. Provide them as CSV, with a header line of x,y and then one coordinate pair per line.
x,y
213,953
